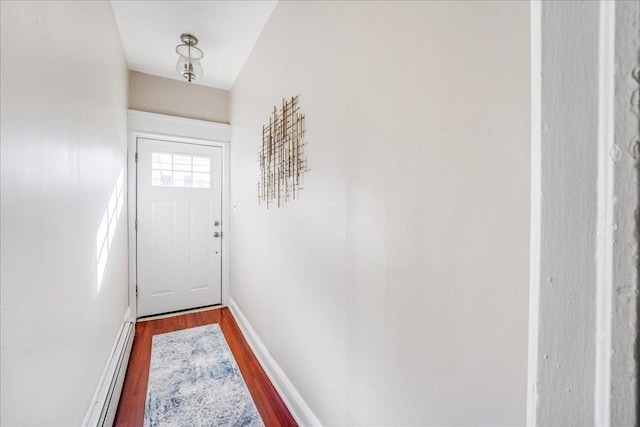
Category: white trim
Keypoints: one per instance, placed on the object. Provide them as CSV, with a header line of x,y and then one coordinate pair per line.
x,y
567,269
302,413
131,220
175,129
178,126
536,197
226,224
104,403
606,201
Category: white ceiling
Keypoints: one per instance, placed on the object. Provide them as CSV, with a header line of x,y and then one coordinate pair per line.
x,y
226,30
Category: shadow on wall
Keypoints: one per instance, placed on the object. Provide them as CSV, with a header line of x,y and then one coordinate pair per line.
x,y
107,229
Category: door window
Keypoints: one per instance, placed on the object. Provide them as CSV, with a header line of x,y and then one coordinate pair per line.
x,y
180,170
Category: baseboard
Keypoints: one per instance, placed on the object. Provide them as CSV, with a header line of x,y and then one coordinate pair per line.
x,y
104,404
296,404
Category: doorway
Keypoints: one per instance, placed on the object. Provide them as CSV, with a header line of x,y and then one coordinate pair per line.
x,y
178,226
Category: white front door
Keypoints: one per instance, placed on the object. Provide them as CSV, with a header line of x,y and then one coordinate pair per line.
x,y
179,226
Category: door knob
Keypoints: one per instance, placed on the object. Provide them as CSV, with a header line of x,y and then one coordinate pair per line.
x,y
217,234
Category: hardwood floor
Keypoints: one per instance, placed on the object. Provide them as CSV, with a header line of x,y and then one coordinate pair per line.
x,y
132,401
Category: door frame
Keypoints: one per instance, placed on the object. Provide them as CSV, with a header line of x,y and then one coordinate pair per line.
x,y
584,224
174,129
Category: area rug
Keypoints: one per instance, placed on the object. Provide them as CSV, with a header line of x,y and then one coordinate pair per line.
x,y
195,381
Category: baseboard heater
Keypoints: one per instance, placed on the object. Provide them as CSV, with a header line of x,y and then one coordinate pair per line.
x,y
105,402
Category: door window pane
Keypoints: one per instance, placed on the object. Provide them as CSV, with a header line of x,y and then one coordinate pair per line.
x,y
181,163
161,161
180,170
201,164
181,179
201,180
162,178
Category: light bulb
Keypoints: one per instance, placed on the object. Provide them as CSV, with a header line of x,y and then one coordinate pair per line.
x,y
189,69
189,61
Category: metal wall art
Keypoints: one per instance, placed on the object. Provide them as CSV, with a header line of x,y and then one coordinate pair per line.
x,y
281,158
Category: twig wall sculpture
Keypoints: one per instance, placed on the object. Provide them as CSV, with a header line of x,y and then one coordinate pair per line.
x,y
281,157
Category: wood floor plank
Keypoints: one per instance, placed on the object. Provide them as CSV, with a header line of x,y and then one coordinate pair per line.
x,y
134,392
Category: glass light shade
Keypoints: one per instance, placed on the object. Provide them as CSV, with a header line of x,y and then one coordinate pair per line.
x,y
189,61
190,69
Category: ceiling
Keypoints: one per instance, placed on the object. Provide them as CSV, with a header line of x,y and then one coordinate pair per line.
x,y
226,30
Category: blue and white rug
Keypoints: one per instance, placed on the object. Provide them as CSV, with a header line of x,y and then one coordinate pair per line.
x,y
195,381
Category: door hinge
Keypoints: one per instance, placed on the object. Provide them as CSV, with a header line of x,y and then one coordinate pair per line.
x,y
136,290
136,225
136,157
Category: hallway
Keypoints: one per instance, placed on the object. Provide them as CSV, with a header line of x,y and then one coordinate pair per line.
x,y
415,213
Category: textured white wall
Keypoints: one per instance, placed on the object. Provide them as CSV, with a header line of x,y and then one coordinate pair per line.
x,y
622,375
155,94
64,124
395,291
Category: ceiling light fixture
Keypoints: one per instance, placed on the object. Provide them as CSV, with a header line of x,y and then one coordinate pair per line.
x,y
189,57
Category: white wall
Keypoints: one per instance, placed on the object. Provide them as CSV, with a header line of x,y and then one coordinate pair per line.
x,y
64,124
155,94
395,291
